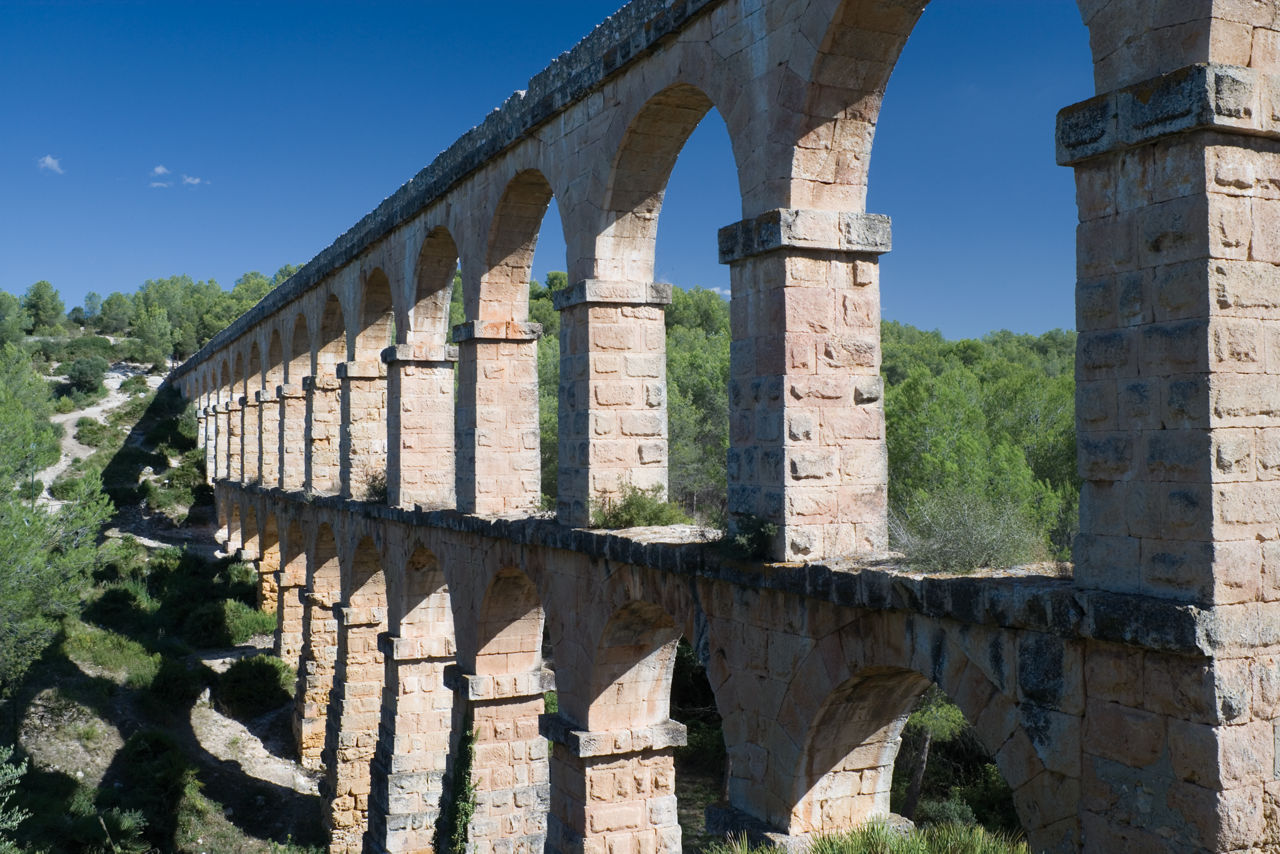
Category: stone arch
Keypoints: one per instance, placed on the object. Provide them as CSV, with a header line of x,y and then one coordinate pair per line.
x,y
513,236
425,594
299,362
269,554
331,337
249,541
850,697
319,645
508,625
235,526
428,317
224,380
377,317
239,378
638,181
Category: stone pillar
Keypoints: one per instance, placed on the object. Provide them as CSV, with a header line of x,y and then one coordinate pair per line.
x,y
235,441
420,426
209,440
1178,440
509,759
806,419
413,743
499,465
353,718
269,419
613,393
252,439
293,436
614,790
363,456
222,442
292,585
324,425
315,677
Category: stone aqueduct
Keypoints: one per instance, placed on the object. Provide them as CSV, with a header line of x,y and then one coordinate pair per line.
x,y
1133,707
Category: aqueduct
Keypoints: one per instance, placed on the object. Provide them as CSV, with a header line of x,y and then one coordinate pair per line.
x,y
1133,707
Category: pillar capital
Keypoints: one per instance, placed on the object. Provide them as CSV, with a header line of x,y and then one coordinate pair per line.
x,y
264,397
617,742
364,370
598,292
427,355
819,231
291,390
509,330
486,688
321,382
408,650
1224,98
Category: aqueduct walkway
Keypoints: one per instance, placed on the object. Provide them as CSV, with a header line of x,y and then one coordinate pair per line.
x,y
1131,708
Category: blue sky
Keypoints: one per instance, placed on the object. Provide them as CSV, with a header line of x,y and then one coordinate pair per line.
x,y
147,139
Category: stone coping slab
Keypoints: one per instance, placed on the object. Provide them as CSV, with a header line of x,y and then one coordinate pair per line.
x,y
511,686
584,744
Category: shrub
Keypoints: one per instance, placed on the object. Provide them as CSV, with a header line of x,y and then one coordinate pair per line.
x,y
752,537
95,434
156,779
179,683
375,487
958,530
64,405
254,686
136,384
30,489
638,508
85,374
951,811
226,623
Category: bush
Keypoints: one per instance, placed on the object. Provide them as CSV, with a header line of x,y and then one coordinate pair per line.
x,y
752,537
64,405
638,508
958,530
136,384
951,811
30,490
85,374
876,837
254,686
179,683
95,434
156,779
90,345
226,623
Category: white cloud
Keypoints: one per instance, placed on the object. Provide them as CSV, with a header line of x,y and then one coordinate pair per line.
x,y
53,164
187,179
162,183
160,170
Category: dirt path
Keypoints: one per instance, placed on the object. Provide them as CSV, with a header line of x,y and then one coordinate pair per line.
x,y
73,450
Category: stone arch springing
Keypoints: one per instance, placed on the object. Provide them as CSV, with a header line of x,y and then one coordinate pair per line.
x,y
631,674
299,363
253,379
275,361
250,535
320,646
224,380
331,337
377,317
508,628
269,564
428,320
426,604
292,588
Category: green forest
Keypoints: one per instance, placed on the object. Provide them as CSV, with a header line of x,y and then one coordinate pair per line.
x,y
981,445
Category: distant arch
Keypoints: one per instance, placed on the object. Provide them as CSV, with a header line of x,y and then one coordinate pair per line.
x,y
428,321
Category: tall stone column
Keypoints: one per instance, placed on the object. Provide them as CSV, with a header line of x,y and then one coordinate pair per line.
x,y
499,464
222,442
806,419
209,437
420,426
413,742
1178,441
269,419
315,676
509,759
353,718
293,436
324,426
235,441
613,393
363,457
614,790
252,459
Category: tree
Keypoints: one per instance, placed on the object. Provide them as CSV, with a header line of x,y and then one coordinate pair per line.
x,y
10,817
116,314
283,274
155,333
43,305
76,317
92,305
13,320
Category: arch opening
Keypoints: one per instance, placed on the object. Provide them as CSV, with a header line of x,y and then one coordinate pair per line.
x,y
299,364
377,317
428,321
332,336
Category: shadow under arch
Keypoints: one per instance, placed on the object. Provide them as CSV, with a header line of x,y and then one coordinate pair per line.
x,y
427,318
377,318
322,594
